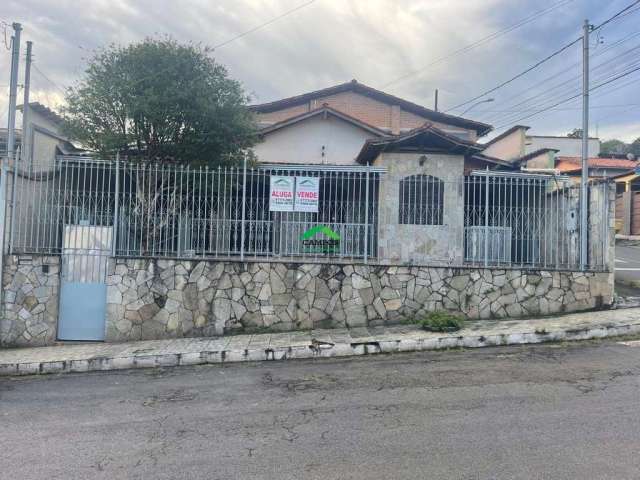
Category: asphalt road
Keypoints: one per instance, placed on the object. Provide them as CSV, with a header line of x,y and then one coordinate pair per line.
x,y
628,264
544,412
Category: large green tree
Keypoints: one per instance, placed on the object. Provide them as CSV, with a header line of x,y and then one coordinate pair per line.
x,y
614,146
634,147
163,100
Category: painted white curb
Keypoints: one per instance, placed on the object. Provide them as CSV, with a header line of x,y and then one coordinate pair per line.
x,y
384,345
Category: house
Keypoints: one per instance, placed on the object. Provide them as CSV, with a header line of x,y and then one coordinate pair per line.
x,y
537,151
44,138
562,154
599,167
39,147
330,126
424,153
363,209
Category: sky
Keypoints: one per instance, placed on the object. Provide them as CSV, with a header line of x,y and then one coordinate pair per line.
x,y
395,45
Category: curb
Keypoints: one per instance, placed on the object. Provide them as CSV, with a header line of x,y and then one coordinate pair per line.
x,y
372,347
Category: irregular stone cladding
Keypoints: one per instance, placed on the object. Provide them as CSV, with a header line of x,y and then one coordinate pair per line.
x,y
163,298
30,296
155,299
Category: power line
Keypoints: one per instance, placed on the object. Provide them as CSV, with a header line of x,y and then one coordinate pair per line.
x,y
561,72
479,42
557,52
509,119
561,102
618,14
599,66
519,75
35,67
524,110
572,79
268,22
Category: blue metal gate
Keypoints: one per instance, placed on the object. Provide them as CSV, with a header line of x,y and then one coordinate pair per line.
x,y
83,291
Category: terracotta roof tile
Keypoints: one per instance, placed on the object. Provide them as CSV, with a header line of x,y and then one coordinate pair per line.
x,y
573,163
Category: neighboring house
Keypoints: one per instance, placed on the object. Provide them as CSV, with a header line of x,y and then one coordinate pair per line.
x,y
598,167
563,154
536,151
628,203
39,147
44,138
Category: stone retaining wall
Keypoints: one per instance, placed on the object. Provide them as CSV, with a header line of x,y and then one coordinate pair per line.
x,y
154,299
30,294
162,299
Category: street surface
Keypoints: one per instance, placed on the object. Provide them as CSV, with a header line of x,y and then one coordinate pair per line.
x,y
562,411
628,267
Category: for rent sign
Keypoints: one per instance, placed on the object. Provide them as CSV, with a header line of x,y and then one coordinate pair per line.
x,y
281,196
294,194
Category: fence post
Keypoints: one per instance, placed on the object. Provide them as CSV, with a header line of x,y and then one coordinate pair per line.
x,y
486,220
244,206
116,219
366,215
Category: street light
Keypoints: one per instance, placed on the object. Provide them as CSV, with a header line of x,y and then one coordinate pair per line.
x,y
486,100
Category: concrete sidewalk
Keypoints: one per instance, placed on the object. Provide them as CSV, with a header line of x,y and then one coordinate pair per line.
x,y
313,344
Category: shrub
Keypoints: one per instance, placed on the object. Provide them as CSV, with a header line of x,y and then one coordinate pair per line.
x,y
441,322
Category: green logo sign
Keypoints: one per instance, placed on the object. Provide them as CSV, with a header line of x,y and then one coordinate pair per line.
x,y
330,243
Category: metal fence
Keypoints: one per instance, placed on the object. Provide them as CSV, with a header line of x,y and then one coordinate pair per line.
x,y
317,213
533,221
173,211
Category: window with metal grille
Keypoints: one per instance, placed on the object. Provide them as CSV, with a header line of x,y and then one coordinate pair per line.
x,y
421,200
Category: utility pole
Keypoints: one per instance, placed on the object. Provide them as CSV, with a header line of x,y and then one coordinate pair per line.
x,y
25,149
11,142
435,107
25,146
13,92
585,147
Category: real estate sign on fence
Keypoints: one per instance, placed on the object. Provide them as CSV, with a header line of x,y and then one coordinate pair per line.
x,y
294,194
281,194
307,194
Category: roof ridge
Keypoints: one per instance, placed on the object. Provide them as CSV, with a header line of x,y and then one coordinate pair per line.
x,y
353,85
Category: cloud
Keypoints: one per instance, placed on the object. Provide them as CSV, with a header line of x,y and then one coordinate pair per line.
x,y
332,41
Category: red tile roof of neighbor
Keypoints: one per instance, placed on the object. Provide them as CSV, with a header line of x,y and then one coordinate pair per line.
x,y
569,164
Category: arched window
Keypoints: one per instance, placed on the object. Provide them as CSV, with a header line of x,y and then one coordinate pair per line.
x,y
421,200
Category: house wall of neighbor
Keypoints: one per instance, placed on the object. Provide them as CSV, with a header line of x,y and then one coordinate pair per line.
x,y
43,152
43,145
155,299
544,160
421,243
509,147
567,146
303,142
